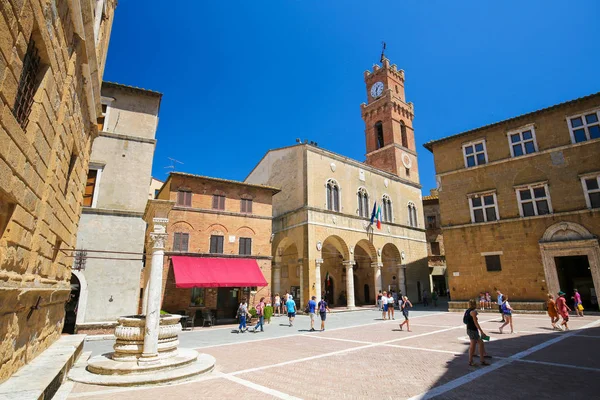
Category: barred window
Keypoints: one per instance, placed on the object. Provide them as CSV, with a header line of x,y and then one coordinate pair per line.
x,y
27,84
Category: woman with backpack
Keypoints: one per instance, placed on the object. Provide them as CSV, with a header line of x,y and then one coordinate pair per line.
x,y
406,306
242,313
473,331
507,313
323,309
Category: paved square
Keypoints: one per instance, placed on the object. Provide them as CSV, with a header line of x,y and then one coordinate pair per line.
x,y
363,357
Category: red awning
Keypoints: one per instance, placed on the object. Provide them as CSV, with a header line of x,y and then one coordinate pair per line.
x,y
216,272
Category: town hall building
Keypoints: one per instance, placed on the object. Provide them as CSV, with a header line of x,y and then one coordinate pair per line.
x,y
323,242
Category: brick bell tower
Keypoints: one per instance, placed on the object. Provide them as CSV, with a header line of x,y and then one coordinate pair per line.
x,y
388,122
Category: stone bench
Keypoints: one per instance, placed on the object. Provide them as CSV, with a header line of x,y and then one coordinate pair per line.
x,y
42,377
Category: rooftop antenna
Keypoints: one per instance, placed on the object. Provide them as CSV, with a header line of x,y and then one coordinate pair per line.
x,y
173,162
382,52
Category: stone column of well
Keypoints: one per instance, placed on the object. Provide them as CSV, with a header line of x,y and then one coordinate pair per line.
x,y
277,278
318,263
349,264
301,267
377,277
158,237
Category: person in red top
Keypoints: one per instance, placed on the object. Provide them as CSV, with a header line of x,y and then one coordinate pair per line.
x,y
563,309
260,313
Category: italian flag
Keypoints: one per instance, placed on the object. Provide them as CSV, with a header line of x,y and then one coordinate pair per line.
x,y
378,217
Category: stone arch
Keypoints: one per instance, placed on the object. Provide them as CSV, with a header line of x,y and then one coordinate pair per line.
x,y
565,231
369,248
217,228
339,244
182,226
245,229
83,296
390,258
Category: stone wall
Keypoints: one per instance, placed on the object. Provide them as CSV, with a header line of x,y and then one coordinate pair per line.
x,y
43,166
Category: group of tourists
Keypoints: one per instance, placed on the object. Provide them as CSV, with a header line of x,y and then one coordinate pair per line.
x,y
559,308
485,301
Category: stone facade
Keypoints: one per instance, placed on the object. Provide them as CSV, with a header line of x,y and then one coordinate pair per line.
x,y
155,186
52,57
436,253
546,155
112,216
320,240
199,220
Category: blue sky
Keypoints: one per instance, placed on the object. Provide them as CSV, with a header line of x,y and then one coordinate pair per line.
x,y
242,77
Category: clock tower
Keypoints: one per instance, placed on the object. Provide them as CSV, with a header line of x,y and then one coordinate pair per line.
x,y
388,122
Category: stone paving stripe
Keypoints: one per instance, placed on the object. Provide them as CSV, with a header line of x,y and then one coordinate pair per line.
x,y
560,365
486,370
260,388
424,349
339,339
433,326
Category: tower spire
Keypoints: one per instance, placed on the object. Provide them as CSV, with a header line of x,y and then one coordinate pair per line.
x,y
382,52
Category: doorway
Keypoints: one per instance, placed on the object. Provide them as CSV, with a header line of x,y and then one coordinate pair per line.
x,y
574,273
227,303
367,294
71,306
419,294
329,286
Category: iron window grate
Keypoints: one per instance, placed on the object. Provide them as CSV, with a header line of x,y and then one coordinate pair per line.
x,y
27,84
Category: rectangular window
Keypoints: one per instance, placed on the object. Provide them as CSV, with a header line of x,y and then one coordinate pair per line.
x,y
534,200
475,154
484,208
102,118
522,142
216,244
435,248
218,202
197,297
492,263
245,246
431,222
184,198
180,241
591,188
90,188
27,84
246,206
584,127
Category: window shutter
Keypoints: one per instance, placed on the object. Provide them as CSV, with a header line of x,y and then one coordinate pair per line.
x,y
336,199
248,246
185,238
221,202
176,241
179,198
220,244
188,199
329,198
249,206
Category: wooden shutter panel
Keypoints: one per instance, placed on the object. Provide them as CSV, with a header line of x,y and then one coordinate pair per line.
x,y
243,207
176,241
249,206
212,244
188,198
248,246
220,244
221,202
185,238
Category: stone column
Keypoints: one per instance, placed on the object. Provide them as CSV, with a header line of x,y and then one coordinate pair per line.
x,y
349,264
402,279
318,263
377,277
301,267
158,237
145,299
276,278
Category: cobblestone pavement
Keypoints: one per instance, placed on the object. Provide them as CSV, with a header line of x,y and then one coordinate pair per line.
x,y
360,357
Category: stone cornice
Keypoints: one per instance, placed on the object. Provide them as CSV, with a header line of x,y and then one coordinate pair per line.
x,y
212,255
113,212
127,137
221,212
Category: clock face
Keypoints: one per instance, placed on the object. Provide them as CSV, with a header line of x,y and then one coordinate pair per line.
x,y
376,89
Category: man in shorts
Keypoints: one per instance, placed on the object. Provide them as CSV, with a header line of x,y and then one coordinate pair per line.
x,y
384,305
323,309
312,305
290,304
500,296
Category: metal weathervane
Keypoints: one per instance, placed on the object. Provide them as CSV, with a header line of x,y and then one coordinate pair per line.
x,y
382,52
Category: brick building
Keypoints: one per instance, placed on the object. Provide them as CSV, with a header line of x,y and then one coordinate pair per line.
x,y
52,59
520,203
215,225
323,241
436,253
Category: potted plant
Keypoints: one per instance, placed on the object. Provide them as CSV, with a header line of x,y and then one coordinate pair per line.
x,y
268,313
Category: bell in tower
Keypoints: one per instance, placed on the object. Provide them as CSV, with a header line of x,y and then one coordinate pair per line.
x,y
388,122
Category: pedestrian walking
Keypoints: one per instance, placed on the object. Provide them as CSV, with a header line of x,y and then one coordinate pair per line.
x,y
577,303
277,305
242,314
290,305
499,301
284,300
384,305
488,300
552,311
475,333
379,301
563,309
425,298
311,306
260,313
434,298
390,305
406,306
507,313
323,310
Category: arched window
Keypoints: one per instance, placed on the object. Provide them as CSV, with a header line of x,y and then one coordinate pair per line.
x,y
379,133
333,195
387,208
403,134
363,202
412,215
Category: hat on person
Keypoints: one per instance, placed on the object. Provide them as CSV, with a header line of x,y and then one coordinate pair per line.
x,y
561,293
